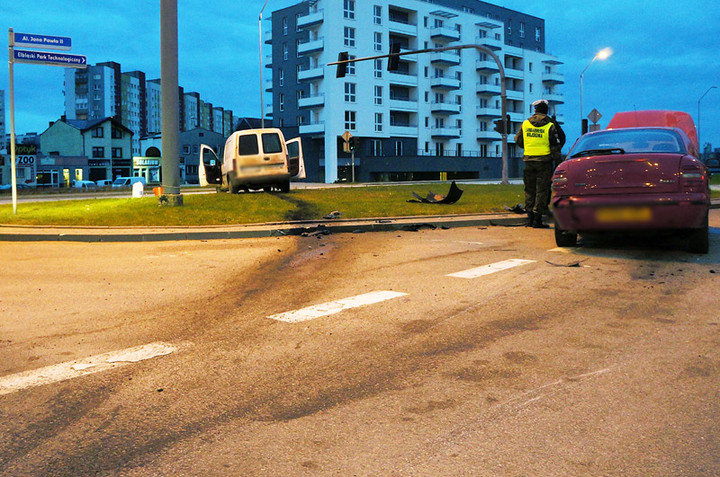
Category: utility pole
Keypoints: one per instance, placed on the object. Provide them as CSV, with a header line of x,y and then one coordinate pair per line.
x,y
170,102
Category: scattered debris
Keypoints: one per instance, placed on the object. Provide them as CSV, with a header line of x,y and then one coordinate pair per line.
x,y
318,231
358,231
567,265
495,224
452,196
516,209
335,214
384,221
417,227
445,227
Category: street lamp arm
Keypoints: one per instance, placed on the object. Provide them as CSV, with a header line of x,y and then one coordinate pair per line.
x,y
588,66
263,8
706,92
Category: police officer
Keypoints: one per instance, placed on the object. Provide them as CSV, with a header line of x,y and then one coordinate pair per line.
x,y
539,138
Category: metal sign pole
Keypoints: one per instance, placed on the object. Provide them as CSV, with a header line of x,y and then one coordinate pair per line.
x,y
352,163
13,167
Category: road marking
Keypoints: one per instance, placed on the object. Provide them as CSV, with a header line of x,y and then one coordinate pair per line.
x,y
82,367
330,308
488,269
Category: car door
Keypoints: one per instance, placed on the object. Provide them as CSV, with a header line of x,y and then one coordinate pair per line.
x,y
296,163
209,168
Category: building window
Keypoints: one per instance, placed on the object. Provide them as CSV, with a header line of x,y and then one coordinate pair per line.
x,y
530,66
298,69
284,26
186,149
378,68
350,121
281,78
509,27
285,51
378,41
98,152
351,66
398,148
376,147
117,152
116,133
458,149
378,122
349,9
377,14
522,30
531,88
297,26
98,132
300,120
378,95
349,92
282,102
297,49
349,37
537,34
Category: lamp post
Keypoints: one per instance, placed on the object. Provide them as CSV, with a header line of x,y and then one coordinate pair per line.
x,y
262,105
698,117
600,55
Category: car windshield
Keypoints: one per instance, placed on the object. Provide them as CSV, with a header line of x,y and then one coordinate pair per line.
x,y
628,141
119,181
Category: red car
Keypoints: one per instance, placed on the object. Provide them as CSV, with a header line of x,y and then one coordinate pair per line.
x,y
642,173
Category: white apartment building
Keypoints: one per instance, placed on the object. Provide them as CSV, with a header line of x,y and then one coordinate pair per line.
x,y
434,117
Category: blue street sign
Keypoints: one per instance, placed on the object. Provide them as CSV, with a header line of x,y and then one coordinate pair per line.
x,y
29,40
48,58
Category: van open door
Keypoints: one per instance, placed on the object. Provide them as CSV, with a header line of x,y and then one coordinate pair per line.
x,y
210,167
296,163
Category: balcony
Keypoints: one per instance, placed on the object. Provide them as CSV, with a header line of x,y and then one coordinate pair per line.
x,y
445,83
488,89
402,129
490,42
554,98
407,79
444,132
487,136
311,74
411,58
516,117
445,34
488,66
311,19
402,104
445,58
399,26
489,113
445,108
311,46
313,128
513,73
267,34
515,95
553,78
316,101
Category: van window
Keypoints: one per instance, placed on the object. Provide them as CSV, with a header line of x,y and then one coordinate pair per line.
x,y
247,145
271,143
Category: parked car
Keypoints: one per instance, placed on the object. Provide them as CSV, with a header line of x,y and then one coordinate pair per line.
x,y
84,185
642,173
253,159
127,181
104,183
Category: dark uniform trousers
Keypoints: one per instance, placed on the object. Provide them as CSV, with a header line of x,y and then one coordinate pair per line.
x,y
537,177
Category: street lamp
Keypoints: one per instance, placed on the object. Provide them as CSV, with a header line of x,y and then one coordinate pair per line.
x,y
600,55
698,117
262,106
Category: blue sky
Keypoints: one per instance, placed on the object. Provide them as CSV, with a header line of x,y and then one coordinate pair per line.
x,y
665,52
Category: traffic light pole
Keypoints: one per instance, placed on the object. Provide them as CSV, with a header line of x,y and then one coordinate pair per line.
x,y
480,49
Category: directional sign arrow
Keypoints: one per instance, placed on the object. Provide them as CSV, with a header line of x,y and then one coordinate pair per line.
x,y
49,58
30,40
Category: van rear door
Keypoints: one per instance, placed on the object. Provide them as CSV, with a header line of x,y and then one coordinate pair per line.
x,y
296,163
210,167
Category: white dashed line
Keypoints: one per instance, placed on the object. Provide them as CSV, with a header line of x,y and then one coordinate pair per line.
x,y
488,269
82,367
330,308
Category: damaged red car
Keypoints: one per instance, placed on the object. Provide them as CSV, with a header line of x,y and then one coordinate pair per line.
x,y
642,173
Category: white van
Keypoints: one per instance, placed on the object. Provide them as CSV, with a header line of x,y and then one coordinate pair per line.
x,y
127,181
84,185
253,159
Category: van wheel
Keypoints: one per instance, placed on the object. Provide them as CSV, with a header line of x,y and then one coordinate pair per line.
x,y
232,188
267,189
285,186
563,238
699,239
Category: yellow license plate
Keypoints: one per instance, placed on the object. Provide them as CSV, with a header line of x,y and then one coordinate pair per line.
x,y
624,214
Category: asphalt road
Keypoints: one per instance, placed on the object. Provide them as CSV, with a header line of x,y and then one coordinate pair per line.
x,y
536,367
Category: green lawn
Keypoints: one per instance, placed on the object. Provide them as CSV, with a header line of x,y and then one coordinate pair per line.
x,y
223,209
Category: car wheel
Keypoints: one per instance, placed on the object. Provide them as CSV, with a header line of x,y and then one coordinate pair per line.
x,y
699,239
563,238
232,188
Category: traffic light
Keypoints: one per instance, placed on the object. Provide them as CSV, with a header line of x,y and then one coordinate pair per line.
x,y
353,143
342,67
508,124
394,60
500,126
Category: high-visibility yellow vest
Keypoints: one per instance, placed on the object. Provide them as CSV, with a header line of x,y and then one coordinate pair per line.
x,y
536,139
